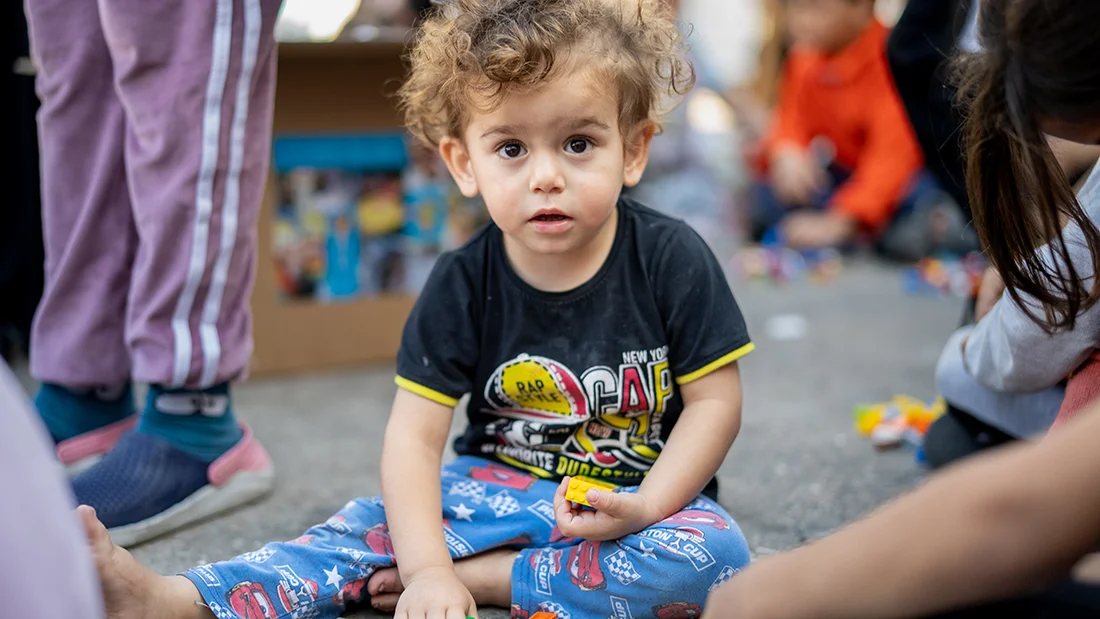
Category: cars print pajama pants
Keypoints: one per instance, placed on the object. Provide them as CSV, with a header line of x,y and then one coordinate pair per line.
x,y
665,571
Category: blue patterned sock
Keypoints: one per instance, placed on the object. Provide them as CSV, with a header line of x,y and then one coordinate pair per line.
x,y
198,422
71,412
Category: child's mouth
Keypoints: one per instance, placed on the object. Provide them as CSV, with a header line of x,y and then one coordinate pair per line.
x,y
551,221
550,217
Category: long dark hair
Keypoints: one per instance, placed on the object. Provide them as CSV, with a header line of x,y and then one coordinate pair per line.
x,y
1040,61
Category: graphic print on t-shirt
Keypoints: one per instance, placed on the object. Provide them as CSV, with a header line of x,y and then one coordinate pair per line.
x,y
584,382
606,422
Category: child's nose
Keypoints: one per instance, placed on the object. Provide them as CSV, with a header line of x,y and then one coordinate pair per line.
x,y
546,174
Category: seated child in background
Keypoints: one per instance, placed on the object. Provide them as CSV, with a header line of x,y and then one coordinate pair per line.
x,y
595,337
842,161
1004,378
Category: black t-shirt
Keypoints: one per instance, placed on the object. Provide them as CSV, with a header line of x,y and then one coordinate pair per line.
x,y
583,382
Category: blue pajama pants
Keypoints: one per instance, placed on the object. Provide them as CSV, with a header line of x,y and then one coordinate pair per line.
x,y
664,571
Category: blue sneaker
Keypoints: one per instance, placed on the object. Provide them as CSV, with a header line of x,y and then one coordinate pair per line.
x,y
144,487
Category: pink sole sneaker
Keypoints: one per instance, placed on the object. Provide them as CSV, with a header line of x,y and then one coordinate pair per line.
x,y
242,475
80,452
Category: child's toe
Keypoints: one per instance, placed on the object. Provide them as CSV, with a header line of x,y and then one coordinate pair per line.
x,y
386,602
97,534
384,581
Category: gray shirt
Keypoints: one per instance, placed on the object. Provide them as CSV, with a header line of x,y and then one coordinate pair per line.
x,y
1008,352
46,571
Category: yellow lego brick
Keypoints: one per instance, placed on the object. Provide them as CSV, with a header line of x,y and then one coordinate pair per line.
x,y
578,488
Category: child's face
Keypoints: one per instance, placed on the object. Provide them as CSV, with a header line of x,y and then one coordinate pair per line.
x,y
827,25
550,164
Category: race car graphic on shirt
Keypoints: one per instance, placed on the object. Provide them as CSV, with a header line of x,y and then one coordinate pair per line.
x,y
536,389
607,423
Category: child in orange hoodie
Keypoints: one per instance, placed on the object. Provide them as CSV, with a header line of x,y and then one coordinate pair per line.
x,y
842,161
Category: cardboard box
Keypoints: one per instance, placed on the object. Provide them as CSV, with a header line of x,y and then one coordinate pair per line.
x,y
327,88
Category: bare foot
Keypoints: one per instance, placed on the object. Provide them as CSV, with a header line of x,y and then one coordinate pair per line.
x,y
488,577
133,591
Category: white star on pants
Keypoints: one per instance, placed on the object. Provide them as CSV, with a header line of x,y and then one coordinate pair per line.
x,y
334,576
463,513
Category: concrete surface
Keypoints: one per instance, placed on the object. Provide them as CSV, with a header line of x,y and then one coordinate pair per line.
x,y
796,471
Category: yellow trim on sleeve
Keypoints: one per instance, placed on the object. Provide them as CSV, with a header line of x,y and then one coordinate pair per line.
x,y
722,361
425,392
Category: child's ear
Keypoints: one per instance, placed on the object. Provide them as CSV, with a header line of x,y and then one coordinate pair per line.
x,y
458,162
637,153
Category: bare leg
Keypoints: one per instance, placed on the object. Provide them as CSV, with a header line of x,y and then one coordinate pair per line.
x,y
488,577
133,591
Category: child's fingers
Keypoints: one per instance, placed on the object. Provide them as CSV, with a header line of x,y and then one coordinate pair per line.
x,y
589,525
605,502
569,511
563,509
559,493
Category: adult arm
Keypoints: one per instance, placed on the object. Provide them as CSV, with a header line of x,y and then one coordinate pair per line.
x,y
993,526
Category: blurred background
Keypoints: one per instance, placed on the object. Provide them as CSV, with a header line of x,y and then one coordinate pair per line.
x,y
834,330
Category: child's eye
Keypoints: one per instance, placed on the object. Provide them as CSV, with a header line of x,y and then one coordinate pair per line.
x,y
578,146
511,150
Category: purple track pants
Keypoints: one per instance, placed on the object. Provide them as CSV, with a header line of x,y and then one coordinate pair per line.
x,y
155,133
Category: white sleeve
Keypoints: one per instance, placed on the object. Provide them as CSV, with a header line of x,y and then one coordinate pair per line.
x,y
48,571
1008,352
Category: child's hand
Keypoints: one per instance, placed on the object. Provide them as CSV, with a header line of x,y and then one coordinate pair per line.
x,y
796,178
436,593
818,230
617,514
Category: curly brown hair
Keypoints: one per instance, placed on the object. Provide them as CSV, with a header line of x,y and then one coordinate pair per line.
x,y
471,54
